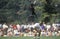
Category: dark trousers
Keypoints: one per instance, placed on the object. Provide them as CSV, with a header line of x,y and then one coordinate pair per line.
x,y
5,31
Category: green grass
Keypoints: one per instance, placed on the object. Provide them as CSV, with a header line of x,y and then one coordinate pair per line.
x,y
42,37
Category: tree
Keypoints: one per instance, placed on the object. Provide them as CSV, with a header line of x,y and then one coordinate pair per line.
x,y
49,7
19,10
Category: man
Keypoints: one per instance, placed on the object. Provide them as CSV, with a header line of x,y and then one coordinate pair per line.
x,y
38,29
5,28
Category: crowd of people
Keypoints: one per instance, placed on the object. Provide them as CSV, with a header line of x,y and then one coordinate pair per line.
x,y
28,29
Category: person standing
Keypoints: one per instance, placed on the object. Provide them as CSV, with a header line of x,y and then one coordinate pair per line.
x,y
5,28
38,29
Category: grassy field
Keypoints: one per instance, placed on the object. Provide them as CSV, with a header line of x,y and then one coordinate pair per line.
x,y
42,37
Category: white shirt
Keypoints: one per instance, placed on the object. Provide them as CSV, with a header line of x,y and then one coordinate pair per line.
x,y
37,25
16,32
18,26
48,26
5,26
